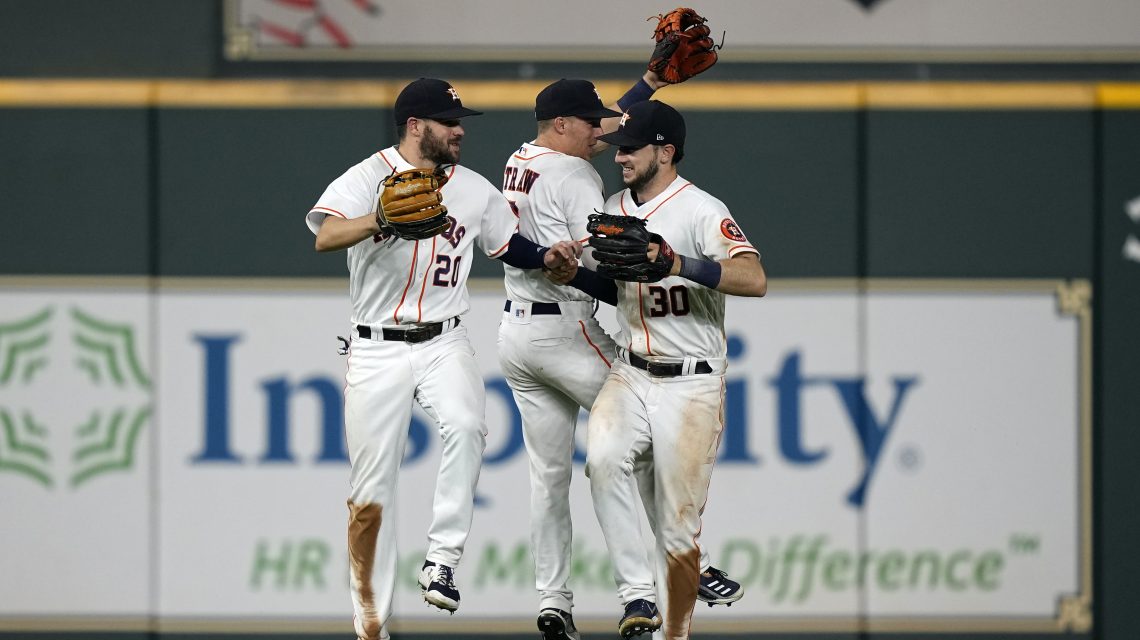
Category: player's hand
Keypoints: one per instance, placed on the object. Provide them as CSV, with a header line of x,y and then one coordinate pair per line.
x,y
560,253
562,275
561,262
655,250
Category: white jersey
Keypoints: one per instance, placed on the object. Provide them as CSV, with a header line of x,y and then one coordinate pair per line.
x,y
552,194
394,281
676,317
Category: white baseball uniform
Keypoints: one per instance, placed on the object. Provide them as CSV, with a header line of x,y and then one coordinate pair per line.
x,y
675,417
396,285
552,350
554,354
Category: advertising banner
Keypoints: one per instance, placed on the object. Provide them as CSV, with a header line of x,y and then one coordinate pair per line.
x,y
914,455
523,32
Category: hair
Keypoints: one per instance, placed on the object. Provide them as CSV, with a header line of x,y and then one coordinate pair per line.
x,y
401,131
545,125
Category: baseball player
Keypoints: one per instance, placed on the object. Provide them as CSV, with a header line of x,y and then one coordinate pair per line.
x,y
553,352
407,343
664,396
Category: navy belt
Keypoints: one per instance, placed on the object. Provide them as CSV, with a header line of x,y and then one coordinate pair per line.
x,y
419,333
539,308
666,369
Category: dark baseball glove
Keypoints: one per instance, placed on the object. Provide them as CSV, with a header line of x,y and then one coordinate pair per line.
x,y
684,47
410,204
621,247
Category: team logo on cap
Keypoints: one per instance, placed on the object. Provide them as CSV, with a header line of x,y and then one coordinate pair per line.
x,y
731,231
624,119
453,92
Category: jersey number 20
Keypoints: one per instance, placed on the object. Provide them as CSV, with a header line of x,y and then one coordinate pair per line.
x,y
447,271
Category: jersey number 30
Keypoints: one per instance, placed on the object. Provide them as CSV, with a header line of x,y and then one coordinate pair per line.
x,y
674,300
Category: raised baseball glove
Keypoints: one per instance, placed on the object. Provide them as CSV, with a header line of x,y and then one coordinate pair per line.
x,y
621,247
410,205
684,47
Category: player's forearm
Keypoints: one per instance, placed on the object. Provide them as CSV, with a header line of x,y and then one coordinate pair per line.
x,y
595,285
340,233
653,80
743,276
739,276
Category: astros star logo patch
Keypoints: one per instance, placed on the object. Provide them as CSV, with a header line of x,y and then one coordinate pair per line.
x,y
731,231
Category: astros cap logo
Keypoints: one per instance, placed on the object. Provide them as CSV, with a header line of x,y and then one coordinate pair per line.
x,y
453,92
624,119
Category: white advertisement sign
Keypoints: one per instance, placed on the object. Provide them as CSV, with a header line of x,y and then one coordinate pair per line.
x,y
524,31
915,456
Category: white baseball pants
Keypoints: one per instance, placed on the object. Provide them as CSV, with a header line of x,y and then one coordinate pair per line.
x,y
383,378
677,421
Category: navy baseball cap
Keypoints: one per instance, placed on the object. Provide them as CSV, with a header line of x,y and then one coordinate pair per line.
x,y
571,98
650,122
432,99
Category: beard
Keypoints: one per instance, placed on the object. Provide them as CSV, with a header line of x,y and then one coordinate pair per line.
x,y
640,180
436,149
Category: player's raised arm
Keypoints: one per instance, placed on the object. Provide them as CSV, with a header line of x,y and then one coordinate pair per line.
x,y
684,48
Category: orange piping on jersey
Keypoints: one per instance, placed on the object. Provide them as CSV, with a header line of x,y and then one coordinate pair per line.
x,y
544,153
591,343
687,184
423,287
744,247
504,247
411,272
641,310
386,161
621,203
327,210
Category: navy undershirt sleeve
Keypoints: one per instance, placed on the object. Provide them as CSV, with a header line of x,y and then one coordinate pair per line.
x,y
590,282
523,253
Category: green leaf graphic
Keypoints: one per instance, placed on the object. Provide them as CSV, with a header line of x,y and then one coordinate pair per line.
x,y
13,344
122,449
32,368
34,457
90,427
108,442
115,342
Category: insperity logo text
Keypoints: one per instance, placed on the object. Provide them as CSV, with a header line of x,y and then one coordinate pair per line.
x,y
74,396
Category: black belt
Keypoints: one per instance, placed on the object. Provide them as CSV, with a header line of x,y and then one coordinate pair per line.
x,y
419,333
666,369
539,308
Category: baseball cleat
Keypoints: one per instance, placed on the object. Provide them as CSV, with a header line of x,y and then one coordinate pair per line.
x,y
717,588
641,616
556,624
437,583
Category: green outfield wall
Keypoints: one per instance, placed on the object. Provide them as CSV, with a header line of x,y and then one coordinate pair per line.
x,y
211,178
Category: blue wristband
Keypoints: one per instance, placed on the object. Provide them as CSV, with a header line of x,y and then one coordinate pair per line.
x,y
703,272
639,92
